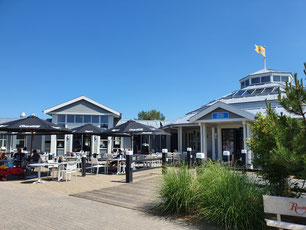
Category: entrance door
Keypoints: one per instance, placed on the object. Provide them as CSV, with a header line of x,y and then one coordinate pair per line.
x,y
232,142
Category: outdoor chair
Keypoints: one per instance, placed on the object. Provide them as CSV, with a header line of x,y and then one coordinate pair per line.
x,y
71,168
52,169
97,164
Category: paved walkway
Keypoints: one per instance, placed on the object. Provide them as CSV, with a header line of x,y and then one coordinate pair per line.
x,y
140,195
23,207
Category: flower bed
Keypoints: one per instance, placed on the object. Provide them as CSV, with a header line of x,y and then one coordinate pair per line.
x,y
6,171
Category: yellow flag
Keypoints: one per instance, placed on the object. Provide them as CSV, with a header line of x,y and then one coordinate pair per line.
x,y
260,50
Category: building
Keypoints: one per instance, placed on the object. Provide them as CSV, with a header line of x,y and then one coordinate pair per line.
x,y
78,112
223,124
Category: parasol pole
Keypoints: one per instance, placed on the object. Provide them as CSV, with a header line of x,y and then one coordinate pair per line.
x,y
32,136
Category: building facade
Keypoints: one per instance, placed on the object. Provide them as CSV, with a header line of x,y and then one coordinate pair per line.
x,y
224,124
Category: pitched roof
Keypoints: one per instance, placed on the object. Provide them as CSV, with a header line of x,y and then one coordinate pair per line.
x,y
79,99
224,106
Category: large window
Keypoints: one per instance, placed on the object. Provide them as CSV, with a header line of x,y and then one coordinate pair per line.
x,y
61,119
255,80
95,119
242,84
104,122
247,83
87,119
70,118
79,118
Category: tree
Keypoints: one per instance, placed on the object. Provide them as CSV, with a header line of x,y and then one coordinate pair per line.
x,y
150,115
278,141
295,100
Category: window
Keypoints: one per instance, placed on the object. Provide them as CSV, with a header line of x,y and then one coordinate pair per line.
x,y
79,119
242,84
87,119
104,122
258,91
248,92
117,142
265,79
276,78
239,93
70,118
255,80
61,118
284,78
20,141
103,146
247,83
95,119
3,139
268,90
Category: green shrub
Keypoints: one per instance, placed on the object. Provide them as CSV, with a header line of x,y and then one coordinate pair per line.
x,y
229,198
177,191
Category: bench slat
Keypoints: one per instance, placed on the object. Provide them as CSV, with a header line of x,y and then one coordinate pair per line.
x,y
284,225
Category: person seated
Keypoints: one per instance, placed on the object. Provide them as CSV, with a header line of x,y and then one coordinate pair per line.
x,y
113,165
18,158
3,157
35,157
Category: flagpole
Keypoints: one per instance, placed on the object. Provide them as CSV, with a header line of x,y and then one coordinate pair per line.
x,y
265,64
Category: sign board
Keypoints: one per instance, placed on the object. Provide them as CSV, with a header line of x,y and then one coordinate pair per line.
x,y
226,153
220,115
285,206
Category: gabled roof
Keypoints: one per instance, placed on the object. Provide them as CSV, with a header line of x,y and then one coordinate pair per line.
x,y
224,106
50,110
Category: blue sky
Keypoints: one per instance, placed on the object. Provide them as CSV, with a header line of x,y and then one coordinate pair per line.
x,y
173,56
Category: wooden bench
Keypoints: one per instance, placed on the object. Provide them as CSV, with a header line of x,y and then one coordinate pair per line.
x,y
285,206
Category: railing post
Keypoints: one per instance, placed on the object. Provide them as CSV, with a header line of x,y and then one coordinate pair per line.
x,y
189,156
200,157
164,159
129,169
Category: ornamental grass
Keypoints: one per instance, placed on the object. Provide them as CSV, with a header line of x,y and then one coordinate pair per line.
x,y
215,194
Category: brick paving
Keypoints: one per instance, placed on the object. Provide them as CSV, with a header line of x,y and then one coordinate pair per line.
x,y
24,207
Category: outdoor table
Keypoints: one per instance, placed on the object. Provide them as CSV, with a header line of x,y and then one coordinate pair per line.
x,y
39,165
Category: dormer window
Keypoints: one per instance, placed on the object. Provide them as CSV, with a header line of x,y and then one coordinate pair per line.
x,y
284,78
255,80
265,79
276,78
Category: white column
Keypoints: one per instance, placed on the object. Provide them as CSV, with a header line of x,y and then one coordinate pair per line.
x,y
213,143
109,139
244,135
219,144
201,138
205,140
180,139
249,152
53,144
98,144
92,147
